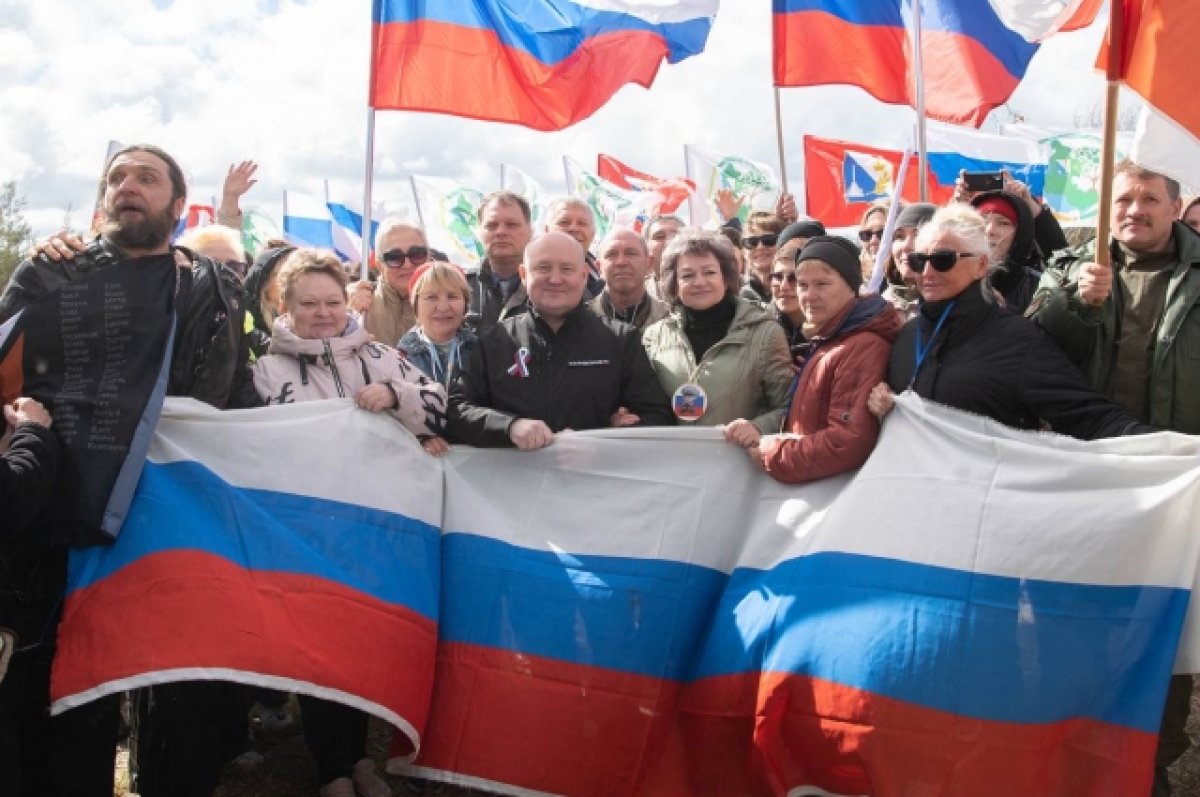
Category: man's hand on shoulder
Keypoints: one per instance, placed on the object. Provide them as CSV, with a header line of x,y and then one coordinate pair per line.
x,y
58,247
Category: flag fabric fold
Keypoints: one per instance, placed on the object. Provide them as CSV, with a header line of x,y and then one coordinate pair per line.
x,y
972,61
313,576
544,65
1156,51
671,192
720,634
612,205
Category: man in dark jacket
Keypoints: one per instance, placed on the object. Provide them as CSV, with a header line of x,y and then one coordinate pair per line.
x,y
557,367
506,225
142,196
1134,329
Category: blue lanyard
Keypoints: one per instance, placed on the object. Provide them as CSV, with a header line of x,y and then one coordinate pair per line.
x,y
923,351
443,373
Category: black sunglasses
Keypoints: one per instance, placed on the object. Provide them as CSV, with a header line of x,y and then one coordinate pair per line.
x,y
784,276
867,235
394,258
754,240
942,260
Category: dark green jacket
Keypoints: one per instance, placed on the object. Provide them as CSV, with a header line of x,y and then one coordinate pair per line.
x,y
1089,334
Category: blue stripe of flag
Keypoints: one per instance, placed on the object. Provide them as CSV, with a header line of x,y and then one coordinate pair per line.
x,y
982,646
549,30
973,19
185,506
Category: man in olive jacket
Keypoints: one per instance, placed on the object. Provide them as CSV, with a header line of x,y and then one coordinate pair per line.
x,y
1134,330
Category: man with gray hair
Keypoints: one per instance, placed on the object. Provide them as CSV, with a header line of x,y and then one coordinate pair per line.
x,y
625,263
573,216
556,367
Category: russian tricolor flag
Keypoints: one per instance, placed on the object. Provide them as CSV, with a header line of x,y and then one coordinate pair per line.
x,y
544,64
254,554
978,611
972,61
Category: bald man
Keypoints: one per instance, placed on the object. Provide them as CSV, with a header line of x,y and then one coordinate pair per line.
x,y
557,367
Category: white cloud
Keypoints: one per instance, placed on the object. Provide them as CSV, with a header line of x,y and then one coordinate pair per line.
x,y
218,81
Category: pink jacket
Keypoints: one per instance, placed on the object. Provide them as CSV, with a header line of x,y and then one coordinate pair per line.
x,y
309,369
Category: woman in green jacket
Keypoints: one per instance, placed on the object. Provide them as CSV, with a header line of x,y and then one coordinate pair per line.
x,y
722,359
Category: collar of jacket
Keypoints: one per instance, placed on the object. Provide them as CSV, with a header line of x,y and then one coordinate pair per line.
x,y
387,293
970,309
568,320
857,313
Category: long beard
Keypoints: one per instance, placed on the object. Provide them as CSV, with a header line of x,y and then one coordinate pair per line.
x,y
145,231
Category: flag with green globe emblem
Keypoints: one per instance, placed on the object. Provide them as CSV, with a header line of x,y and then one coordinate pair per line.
x,y
754,183
449,212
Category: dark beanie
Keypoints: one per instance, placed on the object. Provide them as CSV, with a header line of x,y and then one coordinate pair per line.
x,y
805,228
838,253
917,214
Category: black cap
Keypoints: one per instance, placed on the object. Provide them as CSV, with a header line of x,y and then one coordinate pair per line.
x,y
841,255
917,214
805,228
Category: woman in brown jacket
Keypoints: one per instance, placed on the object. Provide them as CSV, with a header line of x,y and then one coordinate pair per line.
x,y
828,428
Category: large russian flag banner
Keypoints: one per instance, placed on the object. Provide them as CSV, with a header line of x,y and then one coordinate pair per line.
x,y
544,64
295,547
972,61
977,611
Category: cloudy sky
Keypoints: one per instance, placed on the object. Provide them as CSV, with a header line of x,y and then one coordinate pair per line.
x,y
283,82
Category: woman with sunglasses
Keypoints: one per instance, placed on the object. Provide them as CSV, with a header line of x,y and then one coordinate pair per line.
x,y
759,242
870,233
967,351
385,310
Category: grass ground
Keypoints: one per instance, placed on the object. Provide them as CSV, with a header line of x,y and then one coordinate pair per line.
x,y
288,771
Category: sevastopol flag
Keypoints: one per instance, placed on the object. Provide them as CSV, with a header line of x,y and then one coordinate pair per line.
x,y
972,61
544,64
842,178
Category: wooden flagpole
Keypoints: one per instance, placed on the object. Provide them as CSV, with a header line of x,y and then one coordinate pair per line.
x,y
1108,152
919,90
779,139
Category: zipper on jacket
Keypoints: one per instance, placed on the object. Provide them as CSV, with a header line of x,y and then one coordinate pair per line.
x,y
333,369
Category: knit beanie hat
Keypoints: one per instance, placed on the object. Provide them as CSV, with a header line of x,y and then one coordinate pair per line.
x,y
917,214
841,255
805,228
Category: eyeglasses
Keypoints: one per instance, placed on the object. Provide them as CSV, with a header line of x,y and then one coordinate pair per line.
x,y
394,258
942,260
784,276
754,240
866,235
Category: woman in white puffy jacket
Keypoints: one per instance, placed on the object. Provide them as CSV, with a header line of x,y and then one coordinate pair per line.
x,y
317,352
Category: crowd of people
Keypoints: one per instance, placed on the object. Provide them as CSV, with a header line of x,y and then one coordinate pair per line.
x,y
765,329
